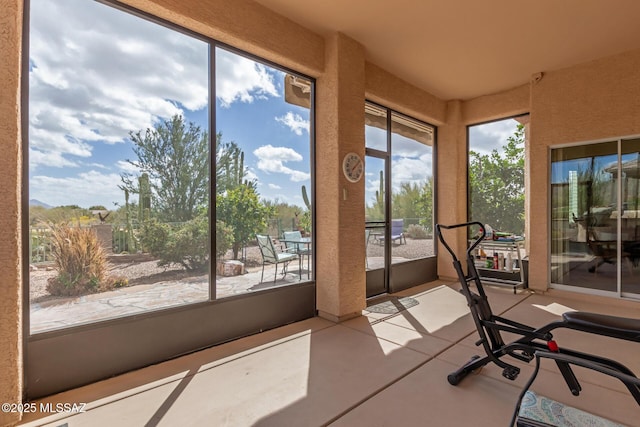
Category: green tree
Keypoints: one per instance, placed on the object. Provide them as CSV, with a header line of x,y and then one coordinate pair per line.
x,y
424,205
375,211
497,185
403,200
175,155
241,209
97,208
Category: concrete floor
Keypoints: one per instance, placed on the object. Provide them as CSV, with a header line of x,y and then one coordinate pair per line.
x,y
375,370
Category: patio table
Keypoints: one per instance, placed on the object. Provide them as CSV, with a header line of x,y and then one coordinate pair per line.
x,y
302,247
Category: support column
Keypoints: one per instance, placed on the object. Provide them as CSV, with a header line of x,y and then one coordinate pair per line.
x,y
10,213
537,183
526,121
452,185
340,258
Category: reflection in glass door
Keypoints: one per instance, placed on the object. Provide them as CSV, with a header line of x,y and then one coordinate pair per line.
x,y
630,216
595,201
584,232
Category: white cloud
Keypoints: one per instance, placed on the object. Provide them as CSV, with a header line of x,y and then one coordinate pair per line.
x,y
37,158
274,186
98,73
282,154
84,190
251,176
127,167
272,159
410,170
295,122
241,79
99,166
489,136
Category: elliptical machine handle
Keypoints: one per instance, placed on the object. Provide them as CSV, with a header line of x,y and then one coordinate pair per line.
x,y
466,225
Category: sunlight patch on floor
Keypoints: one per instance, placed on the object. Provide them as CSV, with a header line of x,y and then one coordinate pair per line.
x,y
440,307
554,308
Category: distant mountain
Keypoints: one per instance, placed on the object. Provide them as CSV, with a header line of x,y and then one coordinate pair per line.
x,y
34,202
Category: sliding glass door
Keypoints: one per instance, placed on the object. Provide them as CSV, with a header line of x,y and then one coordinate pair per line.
x,y
595,233
399,200
630,216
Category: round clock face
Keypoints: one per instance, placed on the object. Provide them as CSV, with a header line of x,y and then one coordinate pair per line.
x,y
353,167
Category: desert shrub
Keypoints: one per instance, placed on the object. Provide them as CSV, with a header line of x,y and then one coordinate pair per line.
x,y
242,209
79,259
81,263
115,282
416,231
305,222
185,244
224,238
154,236
188,245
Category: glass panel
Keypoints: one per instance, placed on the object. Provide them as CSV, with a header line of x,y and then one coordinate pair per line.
x,y
496,175
630,218
375,213
119,161
263,176
375,120
411,189
584,209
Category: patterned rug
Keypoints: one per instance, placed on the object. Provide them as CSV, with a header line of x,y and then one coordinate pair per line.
x,y
548,412
393,305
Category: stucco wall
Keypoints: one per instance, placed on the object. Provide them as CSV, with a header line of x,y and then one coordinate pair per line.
x,y
340,256
10,268
599,99
509,103
392,92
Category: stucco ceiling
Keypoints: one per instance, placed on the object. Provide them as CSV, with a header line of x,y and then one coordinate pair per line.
x,y
461,49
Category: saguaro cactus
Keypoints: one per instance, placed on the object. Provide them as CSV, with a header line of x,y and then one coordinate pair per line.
x,y
305,198
144,204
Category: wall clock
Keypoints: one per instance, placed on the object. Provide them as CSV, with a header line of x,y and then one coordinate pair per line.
x,y
352,167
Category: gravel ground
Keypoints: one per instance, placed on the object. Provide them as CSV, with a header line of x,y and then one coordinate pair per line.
x,y
145,271
136,273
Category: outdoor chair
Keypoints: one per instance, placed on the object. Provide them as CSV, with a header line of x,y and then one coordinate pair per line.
x,y
397,232
271,256
290,237
302,249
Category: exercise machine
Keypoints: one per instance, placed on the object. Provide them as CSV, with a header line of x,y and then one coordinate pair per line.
x,y
490,328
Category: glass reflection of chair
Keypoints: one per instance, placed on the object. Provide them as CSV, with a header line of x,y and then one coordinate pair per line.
x,y
302,249
271,256
605,252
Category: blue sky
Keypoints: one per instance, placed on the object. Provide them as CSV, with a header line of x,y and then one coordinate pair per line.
x,y
97,73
